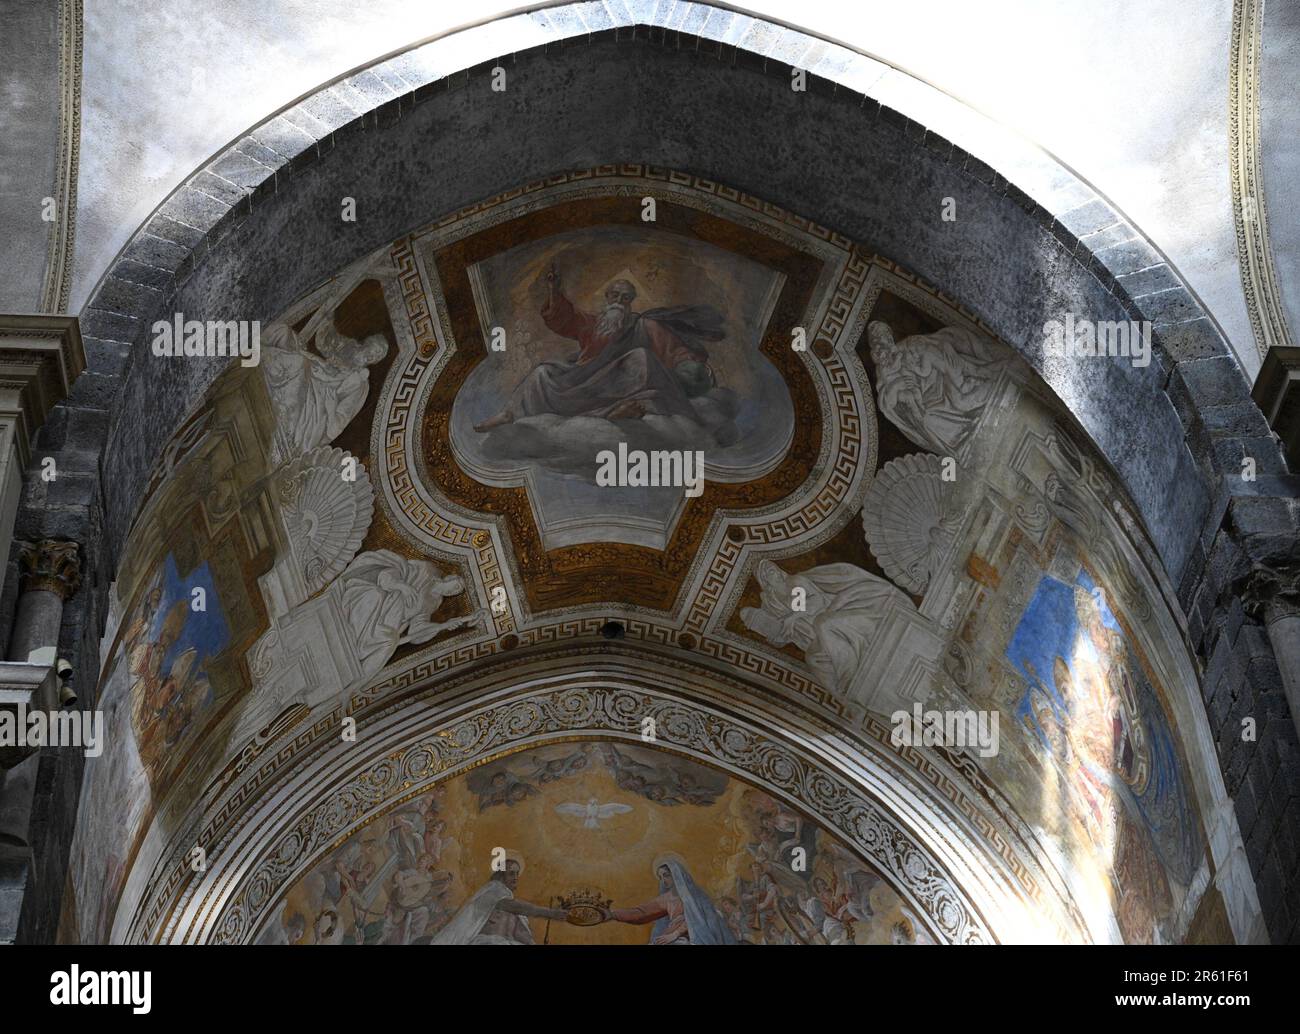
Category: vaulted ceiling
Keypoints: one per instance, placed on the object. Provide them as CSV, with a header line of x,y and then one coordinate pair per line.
x,y
645,408
428,623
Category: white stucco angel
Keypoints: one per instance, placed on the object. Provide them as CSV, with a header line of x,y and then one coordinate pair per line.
x,y
315,397
934,387
841,604
389,601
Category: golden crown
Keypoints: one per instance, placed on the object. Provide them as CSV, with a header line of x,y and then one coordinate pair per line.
x,y
585,907
585,899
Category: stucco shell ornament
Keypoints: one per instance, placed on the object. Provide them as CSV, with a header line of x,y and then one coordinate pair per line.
x,y
326,513
904,516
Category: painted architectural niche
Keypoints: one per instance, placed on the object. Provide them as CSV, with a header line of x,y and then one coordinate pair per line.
x,y
406,489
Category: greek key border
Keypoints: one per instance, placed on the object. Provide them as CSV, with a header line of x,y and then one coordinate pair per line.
x,y
853,427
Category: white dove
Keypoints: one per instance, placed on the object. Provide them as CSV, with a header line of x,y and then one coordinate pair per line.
x,y
592,812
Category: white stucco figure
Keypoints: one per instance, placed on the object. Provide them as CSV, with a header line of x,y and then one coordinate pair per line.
x,y
316,396
388,601
336,641
934,387
842,606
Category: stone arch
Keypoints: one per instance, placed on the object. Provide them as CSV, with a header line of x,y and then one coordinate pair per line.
x,y
1069,250
163,872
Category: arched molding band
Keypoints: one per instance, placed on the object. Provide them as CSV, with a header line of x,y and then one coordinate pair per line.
x,y
1245,149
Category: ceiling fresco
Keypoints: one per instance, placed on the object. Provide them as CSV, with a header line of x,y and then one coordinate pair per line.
x,y
407,546
526,416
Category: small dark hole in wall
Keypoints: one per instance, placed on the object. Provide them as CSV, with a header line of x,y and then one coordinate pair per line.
x,y
613,630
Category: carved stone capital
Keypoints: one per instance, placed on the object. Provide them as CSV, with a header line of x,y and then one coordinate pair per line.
x,y
50,566
1273,592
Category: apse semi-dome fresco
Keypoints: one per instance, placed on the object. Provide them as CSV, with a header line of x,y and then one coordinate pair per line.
x,y
606,475
521,668
609,841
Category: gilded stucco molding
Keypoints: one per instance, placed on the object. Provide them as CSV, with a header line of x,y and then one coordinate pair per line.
x,y
59,260
1255,255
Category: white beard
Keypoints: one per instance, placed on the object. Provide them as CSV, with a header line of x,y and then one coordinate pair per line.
x,y
611,321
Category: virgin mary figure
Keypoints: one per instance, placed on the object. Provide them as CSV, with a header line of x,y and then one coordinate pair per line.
x,y
681,913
